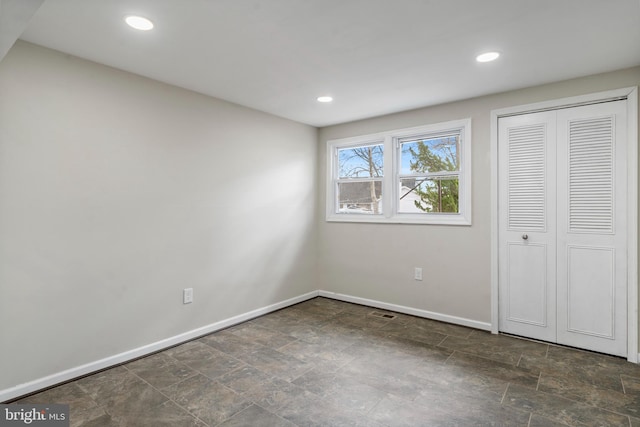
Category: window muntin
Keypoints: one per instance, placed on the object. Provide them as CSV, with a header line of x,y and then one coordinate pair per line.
x,y
419,175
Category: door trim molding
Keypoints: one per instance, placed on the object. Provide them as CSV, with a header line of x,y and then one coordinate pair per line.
x,y
631,96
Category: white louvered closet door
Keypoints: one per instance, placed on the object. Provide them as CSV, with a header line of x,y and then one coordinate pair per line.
x,y
562,242
527,249
592,243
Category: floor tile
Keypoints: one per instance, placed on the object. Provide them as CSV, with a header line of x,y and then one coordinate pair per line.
x,y
103,420
597,369
308,411
207,399
631,384
354,397
323,306
94,416
491,368
540,421
341,335
358,320
189,345
244,378
376,345
490,414
425,352
449,388
209,361
415,332
135,399
104,386
477,413
561,410
229,343
315,352
70,394
443,328
256,416
330,336
261,335
167,414
497,347
310,316
281,321
601,363
82,408
275,363
391,378
583,391
275,394
395,412
160,370
343,391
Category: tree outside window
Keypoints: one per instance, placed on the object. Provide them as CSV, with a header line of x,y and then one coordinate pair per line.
x,y
429,175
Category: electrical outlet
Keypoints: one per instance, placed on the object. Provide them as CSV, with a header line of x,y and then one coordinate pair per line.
x,y
417,273
187,295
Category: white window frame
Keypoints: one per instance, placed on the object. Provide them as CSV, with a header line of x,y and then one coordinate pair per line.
x,y
391,176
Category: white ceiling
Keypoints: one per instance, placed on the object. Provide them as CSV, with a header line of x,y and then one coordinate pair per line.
x,y
374,56
14,16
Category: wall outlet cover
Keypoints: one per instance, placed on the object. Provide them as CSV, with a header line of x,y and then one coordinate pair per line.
x,y
187,296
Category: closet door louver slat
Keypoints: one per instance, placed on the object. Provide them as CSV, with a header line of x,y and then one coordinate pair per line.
x,y
591,159
526,180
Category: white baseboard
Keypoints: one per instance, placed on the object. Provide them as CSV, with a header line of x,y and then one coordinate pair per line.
x,y
79,371
408,310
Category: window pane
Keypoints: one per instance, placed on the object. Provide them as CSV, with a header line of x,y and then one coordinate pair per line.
x,y
420,195
360,162
360,197
430,155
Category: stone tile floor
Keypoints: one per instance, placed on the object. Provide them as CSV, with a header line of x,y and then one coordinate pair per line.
x,y
330,363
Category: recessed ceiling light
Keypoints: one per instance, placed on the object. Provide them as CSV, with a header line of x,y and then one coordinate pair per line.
x,y
487,56
139,22
325,98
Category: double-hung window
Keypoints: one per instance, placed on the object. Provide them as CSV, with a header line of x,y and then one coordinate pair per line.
x,y
417,175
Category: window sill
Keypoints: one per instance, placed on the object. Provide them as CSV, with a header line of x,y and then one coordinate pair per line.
x,y
433,219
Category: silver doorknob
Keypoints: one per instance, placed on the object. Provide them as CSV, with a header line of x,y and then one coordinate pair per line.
x,y
525,236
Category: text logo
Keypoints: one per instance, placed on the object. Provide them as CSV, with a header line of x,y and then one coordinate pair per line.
x,y
53,415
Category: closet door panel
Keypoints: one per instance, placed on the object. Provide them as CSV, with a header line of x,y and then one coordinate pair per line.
x,y
592,269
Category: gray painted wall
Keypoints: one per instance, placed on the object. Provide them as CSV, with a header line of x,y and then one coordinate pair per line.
x,y
116,192
376,261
